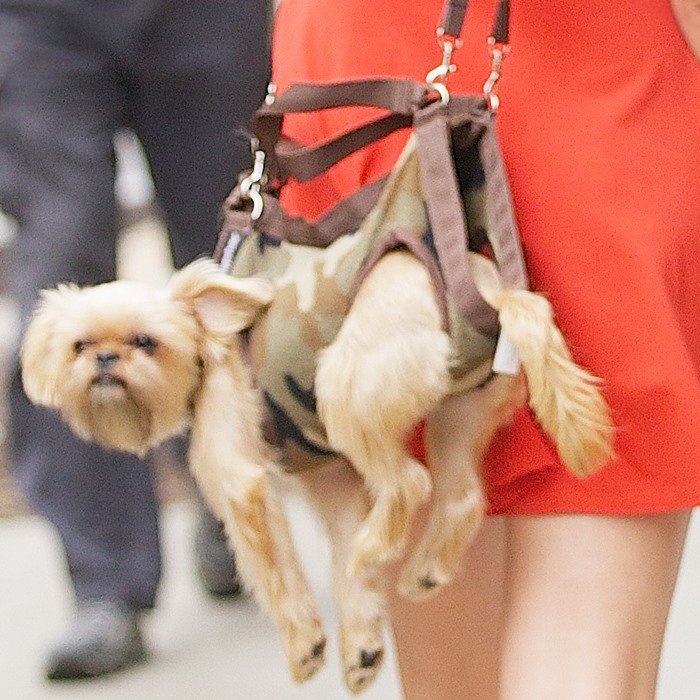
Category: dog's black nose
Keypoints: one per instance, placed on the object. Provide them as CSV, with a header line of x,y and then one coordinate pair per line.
x,y
106,359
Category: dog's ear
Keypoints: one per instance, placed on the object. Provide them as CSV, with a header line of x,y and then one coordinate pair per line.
x,y
41,356
224,305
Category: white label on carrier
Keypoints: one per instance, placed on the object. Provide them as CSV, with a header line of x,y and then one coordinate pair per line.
x,y
230,249
506,359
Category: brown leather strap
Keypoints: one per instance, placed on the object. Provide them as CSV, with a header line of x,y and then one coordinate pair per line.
x,y
501,26
395,95
504,239
344,218
306,162
453,19
443,201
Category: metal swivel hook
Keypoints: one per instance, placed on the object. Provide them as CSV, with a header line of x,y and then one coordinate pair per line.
x,y
498,52
437,77
250,186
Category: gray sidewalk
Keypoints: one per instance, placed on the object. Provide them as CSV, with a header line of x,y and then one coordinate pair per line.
x,y
201,649
209,650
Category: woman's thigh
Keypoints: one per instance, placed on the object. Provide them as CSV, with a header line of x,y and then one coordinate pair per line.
x,y
586,602
570,606
449,647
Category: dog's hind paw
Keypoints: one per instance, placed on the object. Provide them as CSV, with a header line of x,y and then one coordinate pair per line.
x,y
360,674
362,650
383,535
422,583
437,557
379,541
369,555
305,646
306,664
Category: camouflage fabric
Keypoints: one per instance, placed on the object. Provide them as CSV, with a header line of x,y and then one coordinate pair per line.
x,y
315,288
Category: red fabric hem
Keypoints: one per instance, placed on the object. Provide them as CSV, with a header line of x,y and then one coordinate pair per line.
x,y
553,491
547,488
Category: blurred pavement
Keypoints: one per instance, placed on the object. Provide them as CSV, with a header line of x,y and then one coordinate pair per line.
x,y
200,647
216,650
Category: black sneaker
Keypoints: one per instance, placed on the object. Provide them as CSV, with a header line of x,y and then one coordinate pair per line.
x,y
103,638
216,565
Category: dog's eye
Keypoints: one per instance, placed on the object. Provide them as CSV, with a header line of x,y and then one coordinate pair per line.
x,y
80,345
144,342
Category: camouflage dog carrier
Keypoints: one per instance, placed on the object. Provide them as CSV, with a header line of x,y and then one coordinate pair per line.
x,y
447,195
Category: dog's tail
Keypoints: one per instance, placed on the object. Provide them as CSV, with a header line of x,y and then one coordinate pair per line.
x,y
564,397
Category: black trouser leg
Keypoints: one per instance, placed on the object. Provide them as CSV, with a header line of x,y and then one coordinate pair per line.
x,y
58,109
193,114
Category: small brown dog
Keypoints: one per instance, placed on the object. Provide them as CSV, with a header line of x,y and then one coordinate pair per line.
x,y
128,366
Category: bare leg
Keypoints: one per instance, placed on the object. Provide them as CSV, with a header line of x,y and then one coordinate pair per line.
x,y
448,647
587,602
386,369
338,494
570,606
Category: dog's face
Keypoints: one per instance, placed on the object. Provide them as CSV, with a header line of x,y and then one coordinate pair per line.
x,y
122,361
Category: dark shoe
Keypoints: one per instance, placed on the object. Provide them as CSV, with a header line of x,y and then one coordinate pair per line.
x,y
216,565
103,638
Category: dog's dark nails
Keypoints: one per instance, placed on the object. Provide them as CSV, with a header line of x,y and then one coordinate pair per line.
x,y
368,659
318,649
428,582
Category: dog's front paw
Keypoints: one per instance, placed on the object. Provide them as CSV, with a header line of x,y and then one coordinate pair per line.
x,y
309,663
305,651
362,650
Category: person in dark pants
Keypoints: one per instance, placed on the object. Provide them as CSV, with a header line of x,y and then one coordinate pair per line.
x,y
185,76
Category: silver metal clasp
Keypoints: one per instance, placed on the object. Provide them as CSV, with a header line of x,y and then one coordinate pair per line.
x,y
250,186
436,79
498,52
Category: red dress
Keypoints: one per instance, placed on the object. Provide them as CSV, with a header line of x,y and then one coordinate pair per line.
x,y
601,138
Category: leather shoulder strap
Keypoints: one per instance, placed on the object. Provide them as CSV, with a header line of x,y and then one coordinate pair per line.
x,y
453,20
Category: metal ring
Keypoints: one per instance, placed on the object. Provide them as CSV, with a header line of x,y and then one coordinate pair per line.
x,y
441,90
258,204
438,73
246,185
493,101
441,40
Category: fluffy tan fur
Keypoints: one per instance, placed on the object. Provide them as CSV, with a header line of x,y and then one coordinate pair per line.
x,y
146,399
386,369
